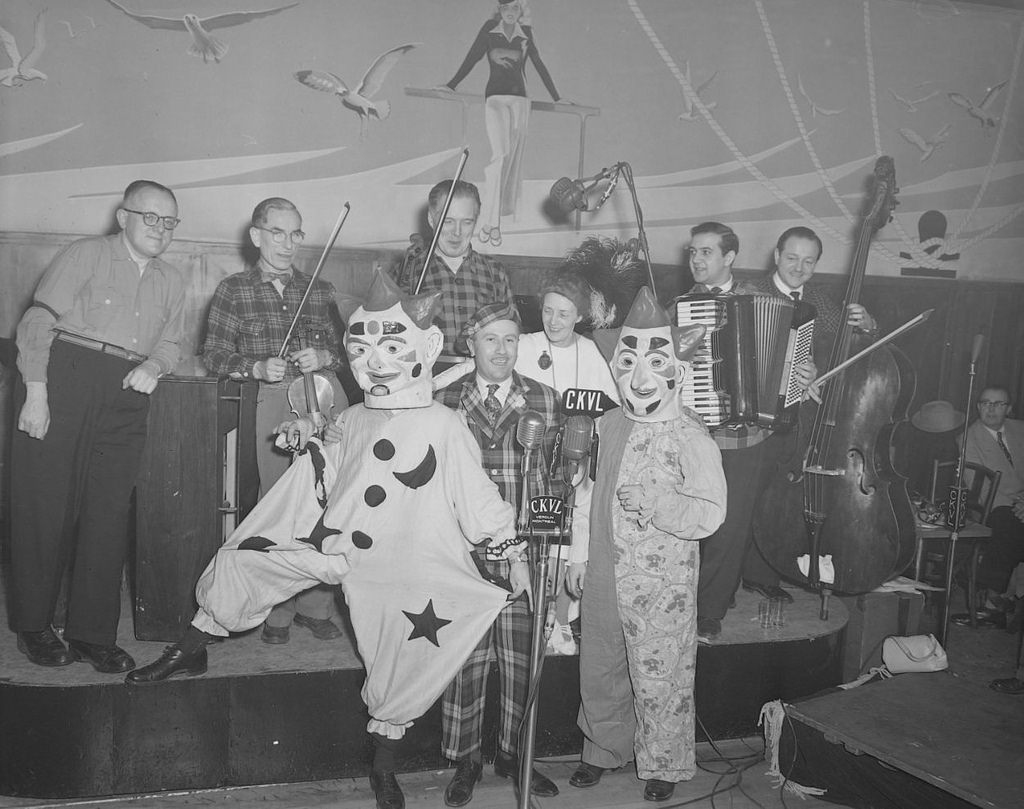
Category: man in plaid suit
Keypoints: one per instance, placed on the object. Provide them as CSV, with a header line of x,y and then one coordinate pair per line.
x,y
492,399
466,279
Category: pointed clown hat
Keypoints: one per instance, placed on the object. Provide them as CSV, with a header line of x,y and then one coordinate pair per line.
x,y
647,313
385,293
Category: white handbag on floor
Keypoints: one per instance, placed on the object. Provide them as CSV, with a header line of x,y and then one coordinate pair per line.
x,y
913,653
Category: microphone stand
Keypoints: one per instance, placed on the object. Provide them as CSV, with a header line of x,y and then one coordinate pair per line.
x,y
627,172
956,510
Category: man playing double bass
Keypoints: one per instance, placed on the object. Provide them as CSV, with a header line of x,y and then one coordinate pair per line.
x,y
248,321
729,556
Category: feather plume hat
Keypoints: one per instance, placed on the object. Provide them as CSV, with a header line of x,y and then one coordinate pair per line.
x,y
601,277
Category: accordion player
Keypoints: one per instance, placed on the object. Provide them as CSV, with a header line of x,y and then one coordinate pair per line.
x,y
743,372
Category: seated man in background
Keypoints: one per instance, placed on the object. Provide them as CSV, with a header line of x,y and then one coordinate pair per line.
x,y
997,441
248,320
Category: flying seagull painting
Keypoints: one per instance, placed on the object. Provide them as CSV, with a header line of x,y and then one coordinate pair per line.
x,y
362,100
23,69
203,44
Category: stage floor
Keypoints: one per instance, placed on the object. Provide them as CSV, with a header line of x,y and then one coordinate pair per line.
x,y
246,654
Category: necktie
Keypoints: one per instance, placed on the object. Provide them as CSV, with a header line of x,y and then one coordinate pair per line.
x,y
491,403
1003,447
283,277
795,295
715,290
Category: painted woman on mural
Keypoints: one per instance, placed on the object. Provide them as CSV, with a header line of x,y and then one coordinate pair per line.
x,y
507,41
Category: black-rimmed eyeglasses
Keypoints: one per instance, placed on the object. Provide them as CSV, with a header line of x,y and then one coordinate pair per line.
x,y
279,235
149,219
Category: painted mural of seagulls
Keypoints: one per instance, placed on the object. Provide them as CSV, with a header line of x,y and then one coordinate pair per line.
x,y
980,111
23,70
815,109
928,146
203,44
911,104
361,101
689,113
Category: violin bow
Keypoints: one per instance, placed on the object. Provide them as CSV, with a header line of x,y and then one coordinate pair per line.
x,y
440,220
316,274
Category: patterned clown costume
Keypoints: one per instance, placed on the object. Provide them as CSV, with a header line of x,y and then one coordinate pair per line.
x,y
386,512
639,631
659,487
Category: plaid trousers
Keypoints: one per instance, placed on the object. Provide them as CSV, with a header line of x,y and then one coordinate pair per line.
x,y
462,706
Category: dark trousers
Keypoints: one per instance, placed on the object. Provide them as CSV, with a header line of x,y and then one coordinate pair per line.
x,y
70,495
1001,554
730,554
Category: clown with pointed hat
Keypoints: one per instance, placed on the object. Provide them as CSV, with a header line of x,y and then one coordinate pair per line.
x,y
659,489
390,511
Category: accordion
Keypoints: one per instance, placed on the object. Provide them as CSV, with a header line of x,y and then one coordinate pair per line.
x,y
742,373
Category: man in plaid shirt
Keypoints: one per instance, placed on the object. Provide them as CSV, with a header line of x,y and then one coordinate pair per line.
x,y
466,279
248,320
729,557
492,399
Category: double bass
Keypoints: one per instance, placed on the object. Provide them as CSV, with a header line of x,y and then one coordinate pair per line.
x,y
837,515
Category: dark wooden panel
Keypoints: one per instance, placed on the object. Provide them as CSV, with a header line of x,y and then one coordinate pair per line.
x,y
179,495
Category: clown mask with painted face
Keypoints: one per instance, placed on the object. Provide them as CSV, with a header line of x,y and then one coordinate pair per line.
x,y
392,346
651,359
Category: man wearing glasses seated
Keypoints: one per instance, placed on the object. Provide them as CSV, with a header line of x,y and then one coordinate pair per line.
x,y
246,327
997,442
104,325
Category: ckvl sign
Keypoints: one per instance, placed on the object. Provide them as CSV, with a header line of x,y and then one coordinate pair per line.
x,y
547,515
586,402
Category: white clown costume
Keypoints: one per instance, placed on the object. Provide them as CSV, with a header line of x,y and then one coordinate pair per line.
x,y
389,512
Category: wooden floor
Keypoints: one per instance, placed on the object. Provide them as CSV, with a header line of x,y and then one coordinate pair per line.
x,y
741,774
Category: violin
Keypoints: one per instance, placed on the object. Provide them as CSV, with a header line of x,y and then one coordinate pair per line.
x,y
838,497
311,394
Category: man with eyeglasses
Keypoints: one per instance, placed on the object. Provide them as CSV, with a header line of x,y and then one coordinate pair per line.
x,y
104,325
246,325
996,441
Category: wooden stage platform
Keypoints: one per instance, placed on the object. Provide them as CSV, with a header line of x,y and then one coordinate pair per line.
x,y
916,741
275,714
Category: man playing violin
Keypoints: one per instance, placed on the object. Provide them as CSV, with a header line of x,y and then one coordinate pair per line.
x,y
247,323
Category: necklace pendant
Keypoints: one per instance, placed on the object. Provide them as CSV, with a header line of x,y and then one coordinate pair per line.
x,y
544,360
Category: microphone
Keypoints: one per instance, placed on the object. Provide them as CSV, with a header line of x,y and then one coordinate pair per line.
x,y
979,341
529,435
571,195
530,430
577,436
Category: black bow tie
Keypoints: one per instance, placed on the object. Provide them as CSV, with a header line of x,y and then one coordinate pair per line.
x,y
283,277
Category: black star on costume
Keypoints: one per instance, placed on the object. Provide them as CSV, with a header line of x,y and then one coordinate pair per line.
x,y
426,623
319,534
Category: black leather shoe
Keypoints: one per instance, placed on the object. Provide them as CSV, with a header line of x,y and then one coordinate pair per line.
x,y
586,775
768,591
105,659
460,788
172,661
44,648
708,629
658,790
386,790
506,766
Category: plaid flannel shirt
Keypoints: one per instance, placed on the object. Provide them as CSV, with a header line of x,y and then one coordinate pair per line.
x,y
248,321
479,281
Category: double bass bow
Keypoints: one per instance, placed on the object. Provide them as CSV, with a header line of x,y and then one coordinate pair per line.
x,y
837,515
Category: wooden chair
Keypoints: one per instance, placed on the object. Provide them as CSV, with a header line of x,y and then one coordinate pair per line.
x,y
982,485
